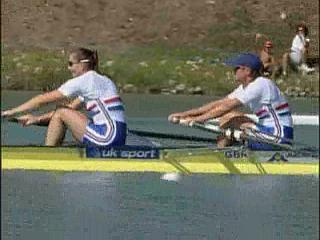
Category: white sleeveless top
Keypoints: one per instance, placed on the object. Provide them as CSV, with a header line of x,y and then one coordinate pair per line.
x,y
99,94
264,98
298,43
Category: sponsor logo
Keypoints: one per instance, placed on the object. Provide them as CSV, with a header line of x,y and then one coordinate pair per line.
x,y
123,152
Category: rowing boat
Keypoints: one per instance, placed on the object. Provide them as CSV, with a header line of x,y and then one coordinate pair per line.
x,y
209,160
145,155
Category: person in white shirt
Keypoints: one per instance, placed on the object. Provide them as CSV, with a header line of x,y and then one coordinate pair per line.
x,y
298,52
103,125
258,93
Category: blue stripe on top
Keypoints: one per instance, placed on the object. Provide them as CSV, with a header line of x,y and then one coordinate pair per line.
x,y
116,108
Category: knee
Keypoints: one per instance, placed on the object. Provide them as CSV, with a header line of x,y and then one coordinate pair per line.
x,y
230,115
60,113
248,124
225,119
228,119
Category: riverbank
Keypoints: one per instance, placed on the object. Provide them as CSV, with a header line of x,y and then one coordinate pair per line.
x,y
156,69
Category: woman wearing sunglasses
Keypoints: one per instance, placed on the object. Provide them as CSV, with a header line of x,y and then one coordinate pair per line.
x,y
103,125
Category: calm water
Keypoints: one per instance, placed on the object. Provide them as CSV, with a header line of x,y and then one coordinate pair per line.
x,y
49,205
45,205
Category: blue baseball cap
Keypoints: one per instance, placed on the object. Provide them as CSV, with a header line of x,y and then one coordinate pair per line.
x,y
245,59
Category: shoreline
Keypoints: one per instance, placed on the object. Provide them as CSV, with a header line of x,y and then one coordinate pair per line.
x,y
152,70
178,95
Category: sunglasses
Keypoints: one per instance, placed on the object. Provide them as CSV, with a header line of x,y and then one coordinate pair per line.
x,y
70,64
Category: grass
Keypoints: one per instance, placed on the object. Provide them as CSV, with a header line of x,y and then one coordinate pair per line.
x,y
147,68
34,70
163,66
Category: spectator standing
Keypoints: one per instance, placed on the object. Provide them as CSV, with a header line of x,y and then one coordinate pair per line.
x,y
298,52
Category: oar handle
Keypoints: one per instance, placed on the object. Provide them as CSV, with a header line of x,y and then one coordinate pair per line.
x,y
238,135
9,119
208,127
15,120
229,133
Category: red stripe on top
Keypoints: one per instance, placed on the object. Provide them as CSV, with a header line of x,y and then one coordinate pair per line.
x,y
110,100
282,106
91,107
261,112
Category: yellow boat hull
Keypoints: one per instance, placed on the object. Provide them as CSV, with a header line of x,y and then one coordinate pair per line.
x,y
185,161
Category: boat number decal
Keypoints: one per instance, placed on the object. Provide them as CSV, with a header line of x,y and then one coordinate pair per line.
x,y
236,153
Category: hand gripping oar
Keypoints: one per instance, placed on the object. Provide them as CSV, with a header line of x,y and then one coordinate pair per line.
x,y
243,134
16,120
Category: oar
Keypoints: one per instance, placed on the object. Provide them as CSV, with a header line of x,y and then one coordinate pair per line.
x,y
246,134
141,133
16,120
9,119
171,136
312,120
297,147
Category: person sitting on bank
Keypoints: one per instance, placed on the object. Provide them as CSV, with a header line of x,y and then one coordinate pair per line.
x,y
103,125
258,93
298,52
270,66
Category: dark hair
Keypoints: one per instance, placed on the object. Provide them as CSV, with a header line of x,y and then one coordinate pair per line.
x,y
87,56
305,28
256,73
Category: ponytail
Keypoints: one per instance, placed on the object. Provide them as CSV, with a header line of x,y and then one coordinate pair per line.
x,y
88,56
95,60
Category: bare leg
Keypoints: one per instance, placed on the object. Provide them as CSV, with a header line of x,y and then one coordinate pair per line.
x,y
233,119
62,119
222,141
285,63
276,71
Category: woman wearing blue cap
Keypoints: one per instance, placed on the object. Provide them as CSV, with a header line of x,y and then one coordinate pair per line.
x,y
258,93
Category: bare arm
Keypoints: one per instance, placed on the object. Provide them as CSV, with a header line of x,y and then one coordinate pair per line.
x,y
75,104
35,102
195,111
44,119
223,107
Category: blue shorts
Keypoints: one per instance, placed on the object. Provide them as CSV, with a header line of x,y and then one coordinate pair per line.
x,y
287,137
105,135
